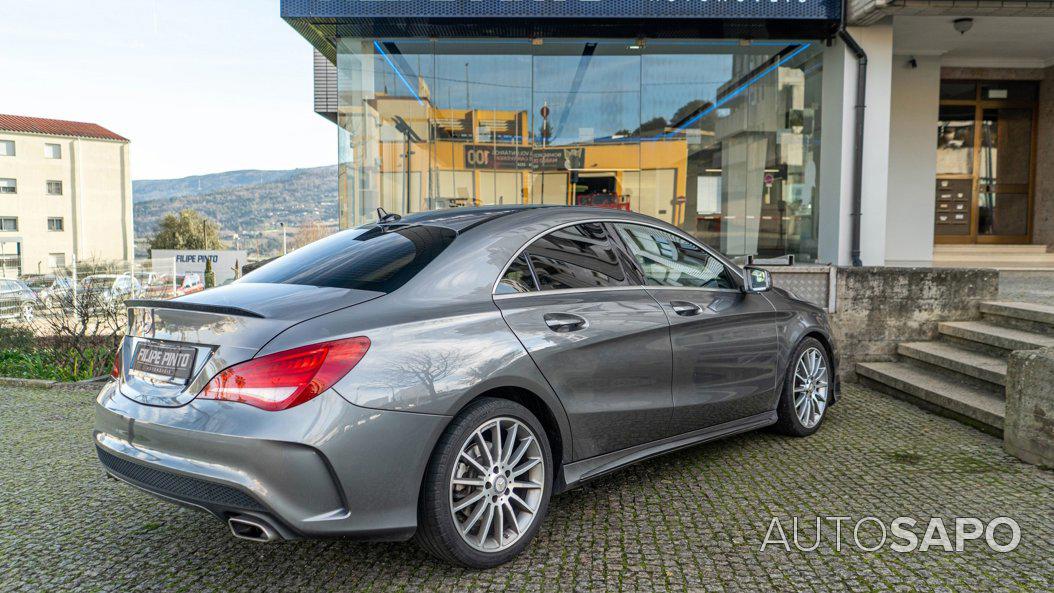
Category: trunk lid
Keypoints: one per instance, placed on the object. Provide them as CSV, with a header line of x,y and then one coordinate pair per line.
x,y
222,326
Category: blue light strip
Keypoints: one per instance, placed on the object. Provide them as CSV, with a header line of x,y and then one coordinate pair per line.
x,y
397,72
735,92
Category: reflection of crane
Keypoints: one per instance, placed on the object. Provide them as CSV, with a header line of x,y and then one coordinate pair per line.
x,y
409,135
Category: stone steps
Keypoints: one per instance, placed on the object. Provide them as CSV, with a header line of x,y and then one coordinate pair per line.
x,y
984,408
985,249
955,359
963,373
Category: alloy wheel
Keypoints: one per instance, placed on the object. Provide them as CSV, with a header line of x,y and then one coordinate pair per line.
x,y
497,484
810,387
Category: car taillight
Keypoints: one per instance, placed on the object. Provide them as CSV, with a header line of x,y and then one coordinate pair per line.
x,y
285,379
115,372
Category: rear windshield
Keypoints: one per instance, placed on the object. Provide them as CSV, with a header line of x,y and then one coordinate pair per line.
x,y
374,258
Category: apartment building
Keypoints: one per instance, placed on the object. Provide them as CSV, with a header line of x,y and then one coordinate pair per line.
x,y
65,193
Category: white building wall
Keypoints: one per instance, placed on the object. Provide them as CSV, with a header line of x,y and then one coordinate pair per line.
x,y
95,204
912,159
836,149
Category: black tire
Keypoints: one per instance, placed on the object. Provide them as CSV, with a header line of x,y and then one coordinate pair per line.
x,y
436,532
789,423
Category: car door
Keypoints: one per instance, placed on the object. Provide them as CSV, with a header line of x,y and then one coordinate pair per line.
x,y
595,333
724,339
9,302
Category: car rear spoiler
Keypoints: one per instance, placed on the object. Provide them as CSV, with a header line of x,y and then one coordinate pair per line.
x,y
184,306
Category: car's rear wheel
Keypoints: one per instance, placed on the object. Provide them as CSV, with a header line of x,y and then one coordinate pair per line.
x,y
487,487
806,390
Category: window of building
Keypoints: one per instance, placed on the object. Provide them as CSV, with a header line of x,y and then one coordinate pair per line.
x,y
57,260
668,260
719,139
8,223
54,188
579,256
7,148
8,185
55,223
53,151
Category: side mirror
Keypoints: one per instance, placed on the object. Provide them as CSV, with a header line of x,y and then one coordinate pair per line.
x,y
758,279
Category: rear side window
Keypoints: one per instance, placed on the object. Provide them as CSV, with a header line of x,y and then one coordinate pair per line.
x,y
518,278
578,256
376,258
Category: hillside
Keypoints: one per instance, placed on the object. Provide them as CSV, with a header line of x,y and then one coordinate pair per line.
x,y
245,208
146,190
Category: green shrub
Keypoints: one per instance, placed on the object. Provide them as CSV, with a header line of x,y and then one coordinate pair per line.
x,y
55,365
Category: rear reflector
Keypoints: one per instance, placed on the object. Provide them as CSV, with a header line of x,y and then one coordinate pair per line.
x,y
285,379
115,372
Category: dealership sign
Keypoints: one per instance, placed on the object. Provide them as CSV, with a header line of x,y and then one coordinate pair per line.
x,y
486,156
226,263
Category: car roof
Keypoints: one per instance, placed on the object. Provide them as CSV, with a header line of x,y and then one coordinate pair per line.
x,y
462,219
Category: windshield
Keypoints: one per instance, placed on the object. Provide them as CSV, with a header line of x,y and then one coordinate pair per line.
x,y
373,258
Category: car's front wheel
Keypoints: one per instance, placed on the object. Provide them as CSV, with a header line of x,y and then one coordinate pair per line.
x,y
487,487
806,390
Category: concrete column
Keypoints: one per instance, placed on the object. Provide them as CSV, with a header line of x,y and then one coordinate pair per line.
x,y
836,154
912,158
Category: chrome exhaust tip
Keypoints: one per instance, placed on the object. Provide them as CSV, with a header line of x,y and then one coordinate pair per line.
x,y
252,529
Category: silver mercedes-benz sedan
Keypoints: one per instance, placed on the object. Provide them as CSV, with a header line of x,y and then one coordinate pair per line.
x,y
440,376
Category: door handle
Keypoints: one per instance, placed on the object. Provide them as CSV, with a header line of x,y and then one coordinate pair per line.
x,y
684,308
564,322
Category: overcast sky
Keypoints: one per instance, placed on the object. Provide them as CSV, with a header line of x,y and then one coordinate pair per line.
x,y
199,86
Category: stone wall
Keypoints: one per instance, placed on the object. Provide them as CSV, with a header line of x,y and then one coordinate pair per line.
x,y
1043,194
1028,431
878,307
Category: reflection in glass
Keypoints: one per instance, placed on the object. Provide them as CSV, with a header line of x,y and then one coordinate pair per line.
x,y
1005,161
719,138
955,140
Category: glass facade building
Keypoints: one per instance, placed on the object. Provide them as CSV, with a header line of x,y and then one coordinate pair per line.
x,y
719,137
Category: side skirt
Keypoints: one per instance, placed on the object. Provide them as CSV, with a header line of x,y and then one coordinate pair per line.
x,y
581,471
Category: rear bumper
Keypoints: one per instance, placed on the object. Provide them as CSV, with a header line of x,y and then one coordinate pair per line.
x,y
324,468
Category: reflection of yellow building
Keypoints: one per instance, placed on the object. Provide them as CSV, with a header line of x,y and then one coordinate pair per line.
x,y
429,157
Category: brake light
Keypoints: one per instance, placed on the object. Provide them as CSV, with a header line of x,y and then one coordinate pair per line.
x,y
115,372
289,378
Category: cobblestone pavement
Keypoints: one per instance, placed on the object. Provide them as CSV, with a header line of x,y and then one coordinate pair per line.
x,y
693,520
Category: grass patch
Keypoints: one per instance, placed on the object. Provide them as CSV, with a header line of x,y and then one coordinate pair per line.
x,y
55,365
905,457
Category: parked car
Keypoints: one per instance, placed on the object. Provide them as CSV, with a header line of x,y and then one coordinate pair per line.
x,y
17,300
189,283
441,376
112,288
51,290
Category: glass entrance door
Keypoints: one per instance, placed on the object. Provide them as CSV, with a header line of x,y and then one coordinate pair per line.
x,y
985,162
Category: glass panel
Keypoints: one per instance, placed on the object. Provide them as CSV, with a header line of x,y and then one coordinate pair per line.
x,y
961,91
1006,146
955,140
668,260
1002,213
1013,91
718,137
517,278
579,256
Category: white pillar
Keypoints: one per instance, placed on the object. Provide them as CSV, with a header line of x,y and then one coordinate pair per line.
x,y
877,41
912,158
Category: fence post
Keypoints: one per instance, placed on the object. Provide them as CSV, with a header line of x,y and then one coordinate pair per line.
x,y
74,258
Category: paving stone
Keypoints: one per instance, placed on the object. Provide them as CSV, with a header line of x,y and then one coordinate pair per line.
x,y
689,521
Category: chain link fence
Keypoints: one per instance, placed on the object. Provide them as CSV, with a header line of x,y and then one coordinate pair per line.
x,y
67,324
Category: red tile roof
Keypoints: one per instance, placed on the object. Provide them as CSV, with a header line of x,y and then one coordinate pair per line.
x,y
56,127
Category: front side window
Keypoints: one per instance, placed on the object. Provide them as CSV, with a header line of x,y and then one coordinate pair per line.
x,y
55,223
7,148
669,260
378,258
8,185
9,223
518,278
578,256
52,151
54,188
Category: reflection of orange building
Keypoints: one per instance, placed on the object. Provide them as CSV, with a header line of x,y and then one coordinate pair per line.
x,y
436,158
